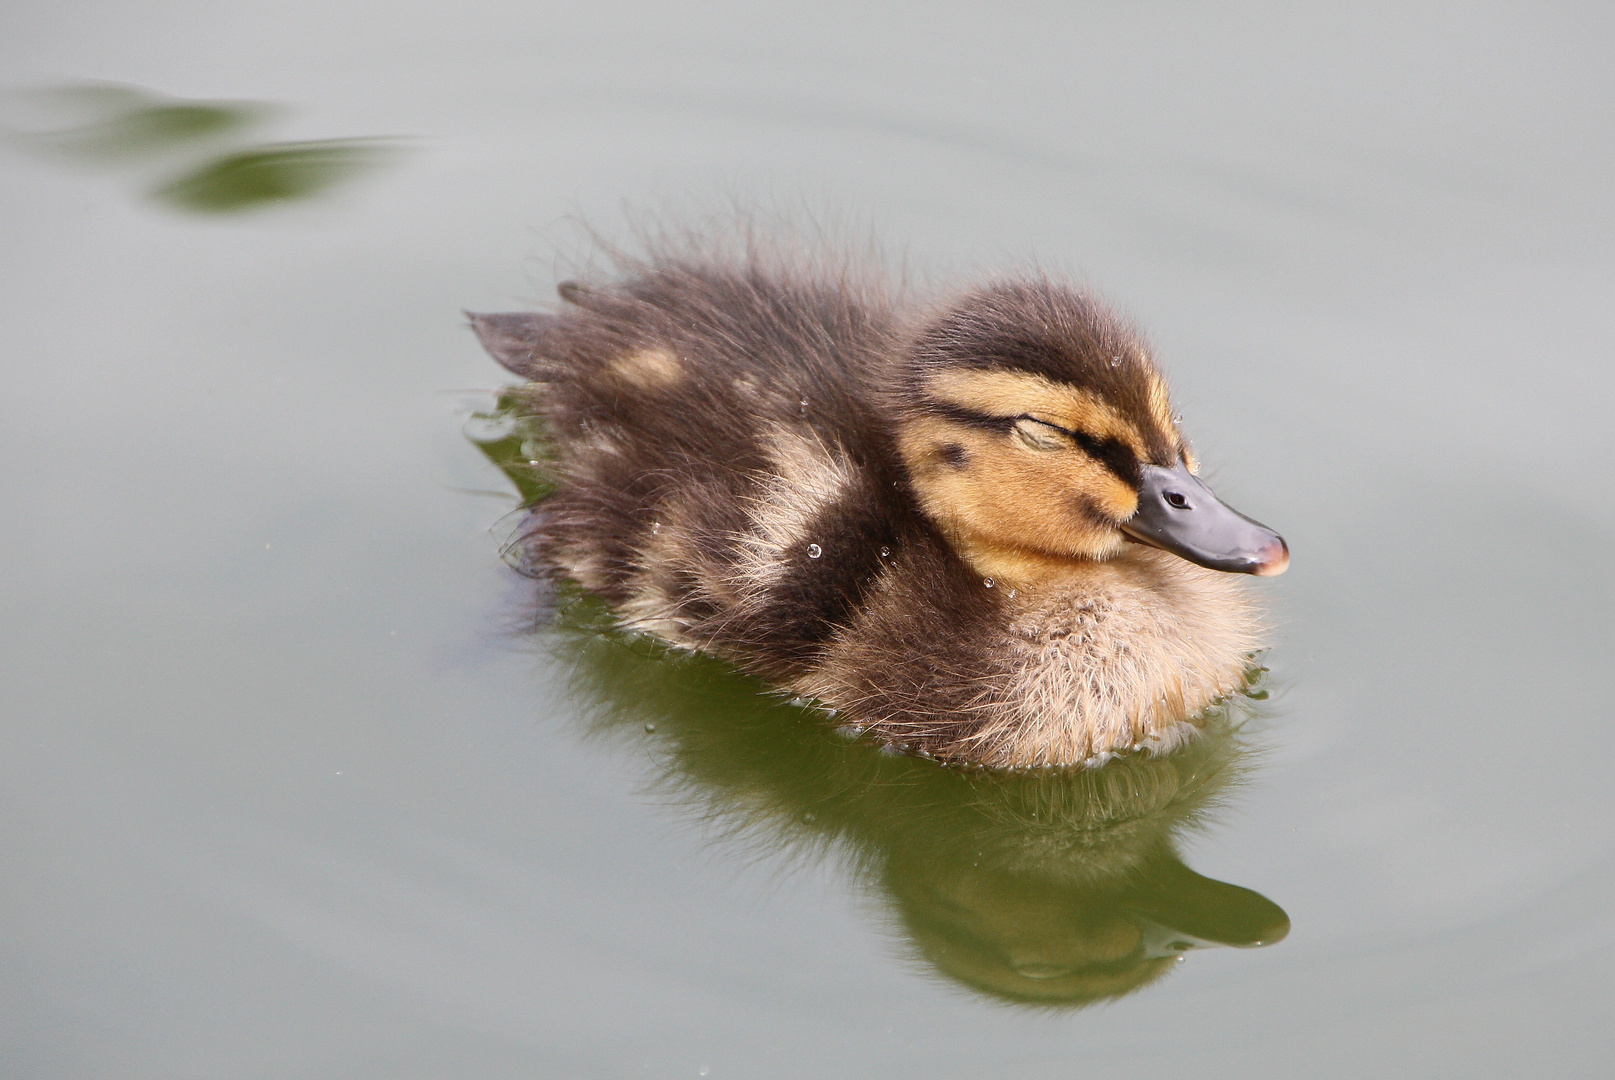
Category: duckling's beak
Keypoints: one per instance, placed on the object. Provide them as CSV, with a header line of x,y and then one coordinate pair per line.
x,y
1177,513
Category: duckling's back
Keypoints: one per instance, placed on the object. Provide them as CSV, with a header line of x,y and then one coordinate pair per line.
x,y
725,475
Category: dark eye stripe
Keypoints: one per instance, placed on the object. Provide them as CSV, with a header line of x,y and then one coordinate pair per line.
x,y
1115,455
961,415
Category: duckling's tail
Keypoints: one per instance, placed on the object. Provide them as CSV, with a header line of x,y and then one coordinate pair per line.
x,y
515,339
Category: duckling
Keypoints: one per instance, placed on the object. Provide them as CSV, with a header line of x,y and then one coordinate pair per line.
x,y
970,527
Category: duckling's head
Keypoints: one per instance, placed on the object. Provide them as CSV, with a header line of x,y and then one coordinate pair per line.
x,y
1036,430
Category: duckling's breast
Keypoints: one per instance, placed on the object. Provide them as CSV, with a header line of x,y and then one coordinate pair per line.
x,y
1125,653
1114,656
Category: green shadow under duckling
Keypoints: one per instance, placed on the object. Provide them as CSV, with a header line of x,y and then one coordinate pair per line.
x,y
969,526
1045,887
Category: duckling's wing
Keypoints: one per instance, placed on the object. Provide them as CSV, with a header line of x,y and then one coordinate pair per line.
x,y
515,338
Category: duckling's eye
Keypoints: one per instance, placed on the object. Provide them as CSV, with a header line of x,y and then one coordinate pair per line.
x,y
1036,435
1177,499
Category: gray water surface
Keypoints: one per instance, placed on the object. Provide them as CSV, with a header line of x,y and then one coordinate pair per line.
x,y
289,791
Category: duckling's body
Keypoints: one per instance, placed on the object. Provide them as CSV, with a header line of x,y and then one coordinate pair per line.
x,y
910,517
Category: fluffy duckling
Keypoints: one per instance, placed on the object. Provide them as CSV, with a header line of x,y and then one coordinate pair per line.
x,y
971,528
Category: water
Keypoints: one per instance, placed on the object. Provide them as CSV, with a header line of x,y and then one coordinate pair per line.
x,y
289,791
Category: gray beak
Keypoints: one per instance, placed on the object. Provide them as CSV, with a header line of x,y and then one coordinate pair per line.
x,y
1177,513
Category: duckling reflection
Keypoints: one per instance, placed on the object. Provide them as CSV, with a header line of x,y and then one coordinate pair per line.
x,y
1043,887
1035,938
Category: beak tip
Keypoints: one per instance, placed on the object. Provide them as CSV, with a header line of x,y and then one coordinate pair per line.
x,y
1275,559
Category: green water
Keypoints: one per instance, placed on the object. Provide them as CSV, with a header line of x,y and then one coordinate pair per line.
x,y
300,778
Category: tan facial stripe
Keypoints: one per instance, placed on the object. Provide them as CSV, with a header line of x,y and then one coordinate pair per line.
x,y
1015,393
1062,506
